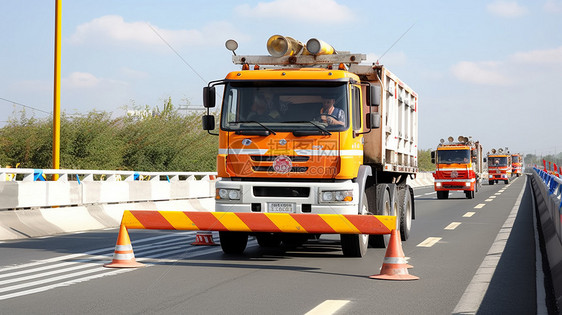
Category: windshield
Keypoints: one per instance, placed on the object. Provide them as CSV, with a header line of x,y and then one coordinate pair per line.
x,y
515,159
497,161
285,106
453,156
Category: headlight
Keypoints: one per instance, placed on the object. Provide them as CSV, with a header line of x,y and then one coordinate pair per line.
x,y
223,193
491,176
467,184
228,194
234,194
437,184
336,196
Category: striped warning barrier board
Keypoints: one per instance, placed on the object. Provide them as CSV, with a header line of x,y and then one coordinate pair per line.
x,y
258,222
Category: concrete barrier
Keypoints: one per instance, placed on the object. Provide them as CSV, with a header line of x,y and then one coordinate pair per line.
x,y
422,179
547,190
89,200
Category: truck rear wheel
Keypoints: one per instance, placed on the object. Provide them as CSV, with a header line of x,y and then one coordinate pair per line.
x,y
355,245
384,206
469,194
443,194
233,242
405,208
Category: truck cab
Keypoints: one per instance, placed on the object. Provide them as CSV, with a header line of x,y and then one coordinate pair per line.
x,y
458,167
499,166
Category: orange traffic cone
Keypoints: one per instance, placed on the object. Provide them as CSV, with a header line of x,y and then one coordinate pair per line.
x,y
204,238
401,253
394,266
123,257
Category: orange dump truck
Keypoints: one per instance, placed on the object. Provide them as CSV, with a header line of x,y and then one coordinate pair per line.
x,y
499,166
311,130
458,167
516,164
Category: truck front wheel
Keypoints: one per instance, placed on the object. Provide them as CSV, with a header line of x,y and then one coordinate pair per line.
x,y
355,245
384,206
233,242
444,194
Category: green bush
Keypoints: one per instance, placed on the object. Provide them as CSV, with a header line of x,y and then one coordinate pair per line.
x,y
158,140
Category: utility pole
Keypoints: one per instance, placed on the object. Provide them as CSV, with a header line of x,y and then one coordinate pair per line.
x,y
56,89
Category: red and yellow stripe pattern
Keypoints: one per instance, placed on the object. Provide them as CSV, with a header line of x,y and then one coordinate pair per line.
x,y
259,222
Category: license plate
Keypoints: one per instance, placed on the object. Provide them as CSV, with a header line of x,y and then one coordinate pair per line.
x,y
284,207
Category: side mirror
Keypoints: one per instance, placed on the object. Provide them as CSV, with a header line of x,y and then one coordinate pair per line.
x,y
433,154
433,160
209,97
484,160
374,95
373,120
208,122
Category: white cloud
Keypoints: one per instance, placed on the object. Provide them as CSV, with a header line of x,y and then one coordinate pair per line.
x,y
486,73
553,6
313,11
537,63
133,74
113,29
506,9
545,57
80,80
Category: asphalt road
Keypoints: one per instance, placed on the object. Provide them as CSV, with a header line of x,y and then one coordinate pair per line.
x,y
450,240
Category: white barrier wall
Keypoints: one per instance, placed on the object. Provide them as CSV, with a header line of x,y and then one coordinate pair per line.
x,y
88,200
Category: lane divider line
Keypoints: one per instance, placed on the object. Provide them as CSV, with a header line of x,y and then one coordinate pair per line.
x,y
479,206
328,307
497,194
452,226
468,214
488,200
428,242
493,197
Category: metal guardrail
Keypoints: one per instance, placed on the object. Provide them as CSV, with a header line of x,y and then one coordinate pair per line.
x,y
29,175
43,188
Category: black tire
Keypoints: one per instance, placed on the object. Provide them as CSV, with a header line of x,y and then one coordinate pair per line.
x,y
405,207
469,194
490,182
355,245
443,194
233,243
384,204
268,239
506,181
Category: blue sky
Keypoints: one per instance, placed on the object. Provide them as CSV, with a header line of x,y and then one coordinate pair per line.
x,y
487,69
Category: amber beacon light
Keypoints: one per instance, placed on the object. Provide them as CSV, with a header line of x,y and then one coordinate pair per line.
x,y
279,46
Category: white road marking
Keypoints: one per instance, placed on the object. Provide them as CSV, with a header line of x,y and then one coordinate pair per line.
x,y
468,214
431,193
493,197
48,274
430,241
497,194
488,200
452,226
479,206
328,307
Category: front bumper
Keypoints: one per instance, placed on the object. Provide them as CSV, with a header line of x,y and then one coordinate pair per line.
x,y
464,184
251,201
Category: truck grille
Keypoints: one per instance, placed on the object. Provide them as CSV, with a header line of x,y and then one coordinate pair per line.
x,y
297,169
270,158
302,192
